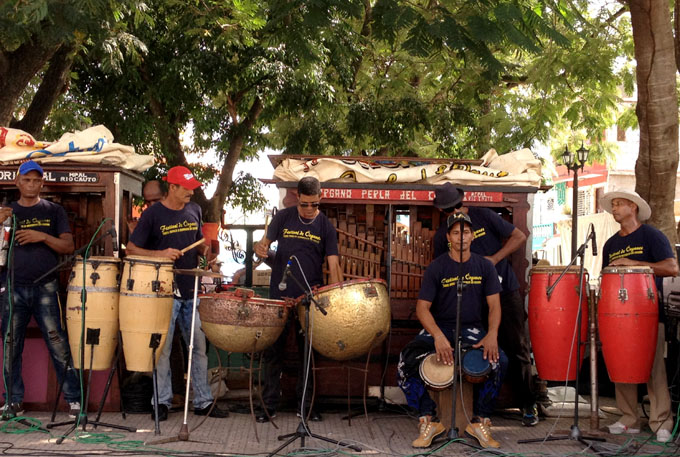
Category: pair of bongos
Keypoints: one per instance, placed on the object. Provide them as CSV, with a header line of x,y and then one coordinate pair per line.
x,y
439,376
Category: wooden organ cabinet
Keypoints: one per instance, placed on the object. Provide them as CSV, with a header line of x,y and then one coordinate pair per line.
x,y
385,231
88,193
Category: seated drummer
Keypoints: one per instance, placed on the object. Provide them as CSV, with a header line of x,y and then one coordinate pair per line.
x,y
436,310
305,232
643,245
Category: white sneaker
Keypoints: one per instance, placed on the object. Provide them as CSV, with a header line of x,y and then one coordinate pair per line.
x,y
74,409
618,428
663,436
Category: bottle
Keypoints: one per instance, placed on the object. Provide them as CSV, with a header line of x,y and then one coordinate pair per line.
x,y
4,240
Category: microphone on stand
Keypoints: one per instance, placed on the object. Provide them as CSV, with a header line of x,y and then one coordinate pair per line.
x,y
284,279
592,231
114,238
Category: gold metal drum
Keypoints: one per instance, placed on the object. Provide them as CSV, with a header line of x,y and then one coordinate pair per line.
x,y
239,321
358,318
101,309
145,308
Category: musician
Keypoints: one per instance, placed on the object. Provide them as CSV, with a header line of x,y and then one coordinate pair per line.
x,y
496,239
640,244
305,237
42,234
163,230
152,192
436,310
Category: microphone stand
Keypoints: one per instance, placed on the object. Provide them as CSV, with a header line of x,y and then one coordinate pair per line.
x,y
575,434
303,431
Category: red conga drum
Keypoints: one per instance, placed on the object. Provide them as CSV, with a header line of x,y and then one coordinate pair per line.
x,y
552,321
628,318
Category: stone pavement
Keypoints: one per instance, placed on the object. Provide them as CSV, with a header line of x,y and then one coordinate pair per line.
x,y
386,433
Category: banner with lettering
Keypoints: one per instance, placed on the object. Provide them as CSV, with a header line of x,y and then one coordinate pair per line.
x,y
93,145
517,168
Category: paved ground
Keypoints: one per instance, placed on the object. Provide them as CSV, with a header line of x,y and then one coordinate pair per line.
x,y
387,433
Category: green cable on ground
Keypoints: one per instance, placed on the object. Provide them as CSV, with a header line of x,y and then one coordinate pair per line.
x,y
12,426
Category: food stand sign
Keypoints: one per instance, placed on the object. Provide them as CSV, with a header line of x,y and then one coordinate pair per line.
x,y
401,195
65,177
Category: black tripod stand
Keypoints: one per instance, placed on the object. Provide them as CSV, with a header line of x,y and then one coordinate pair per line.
x,y
575,432
303,431
92,339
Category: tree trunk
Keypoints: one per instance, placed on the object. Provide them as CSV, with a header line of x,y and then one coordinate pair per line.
x,y
17,68
657,111
53,84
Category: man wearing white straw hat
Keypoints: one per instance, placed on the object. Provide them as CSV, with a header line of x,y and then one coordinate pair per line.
x,y
642,245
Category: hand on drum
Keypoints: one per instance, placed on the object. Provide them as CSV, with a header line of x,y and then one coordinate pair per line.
x,y
490,346
625,261
444,350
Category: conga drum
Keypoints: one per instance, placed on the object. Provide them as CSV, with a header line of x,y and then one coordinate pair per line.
x,y
435,374
101,278
628,318
552,321
240,321
146,295
357,319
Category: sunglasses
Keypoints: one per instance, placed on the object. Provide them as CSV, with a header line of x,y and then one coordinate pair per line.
x,y
309,205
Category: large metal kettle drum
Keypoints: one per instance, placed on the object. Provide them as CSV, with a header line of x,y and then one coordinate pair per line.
x,y
358,318
239,321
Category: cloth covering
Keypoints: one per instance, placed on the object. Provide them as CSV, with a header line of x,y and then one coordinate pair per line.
x,y
93,145
517,168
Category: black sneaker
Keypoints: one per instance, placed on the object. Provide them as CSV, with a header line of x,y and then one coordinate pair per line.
x,y
262,417
12,410
216,412
162,413
530,417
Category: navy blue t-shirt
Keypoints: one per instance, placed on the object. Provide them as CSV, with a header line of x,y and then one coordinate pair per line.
x,y
309,241
489,231
439,288
32,260
647,244
161,227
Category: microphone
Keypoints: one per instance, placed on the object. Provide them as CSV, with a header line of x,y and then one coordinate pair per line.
x,y
114,238
284,279
594,240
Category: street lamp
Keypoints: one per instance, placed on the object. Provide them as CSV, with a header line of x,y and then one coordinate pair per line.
x,y
574,163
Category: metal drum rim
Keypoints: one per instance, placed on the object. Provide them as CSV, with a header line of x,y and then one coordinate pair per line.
x,y
99,259
148,260
343,284
616,269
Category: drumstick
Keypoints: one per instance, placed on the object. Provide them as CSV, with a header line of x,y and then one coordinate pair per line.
x,y
192,245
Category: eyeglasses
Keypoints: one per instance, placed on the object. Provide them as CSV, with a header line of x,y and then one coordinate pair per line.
x,y
309,205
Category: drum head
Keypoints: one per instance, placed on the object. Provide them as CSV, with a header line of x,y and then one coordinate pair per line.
x,y
436,374
475,367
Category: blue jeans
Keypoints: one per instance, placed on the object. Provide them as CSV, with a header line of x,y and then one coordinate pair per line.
x,y
181,312
410,382
41,302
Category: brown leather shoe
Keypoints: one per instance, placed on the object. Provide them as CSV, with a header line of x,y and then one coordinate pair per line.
x,y
480,429
429,430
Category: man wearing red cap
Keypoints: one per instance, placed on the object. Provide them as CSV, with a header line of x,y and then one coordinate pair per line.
x,y
163,230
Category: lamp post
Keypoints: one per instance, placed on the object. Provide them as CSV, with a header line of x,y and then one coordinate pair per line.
x,y
574,163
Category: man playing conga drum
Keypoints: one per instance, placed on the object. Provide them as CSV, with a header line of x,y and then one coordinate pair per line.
x,y
306,233
642,245
163,230
436,310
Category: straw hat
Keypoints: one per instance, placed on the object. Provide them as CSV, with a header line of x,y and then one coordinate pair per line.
x,y
644,211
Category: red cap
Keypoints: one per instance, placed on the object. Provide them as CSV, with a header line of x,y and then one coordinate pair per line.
x,y
182,176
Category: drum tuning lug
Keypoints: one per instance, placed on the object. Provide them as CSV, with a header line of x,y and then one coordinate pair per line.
x,y
94,276
155,286
650,293
623,295
281,313
130,284
258,334
370,291
71,276
95,264
243,312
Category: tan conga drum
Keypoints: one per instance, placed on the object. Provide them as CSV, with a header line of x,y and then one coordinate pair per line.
x,y
145,308
240,321
100,279
436,375
358,318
